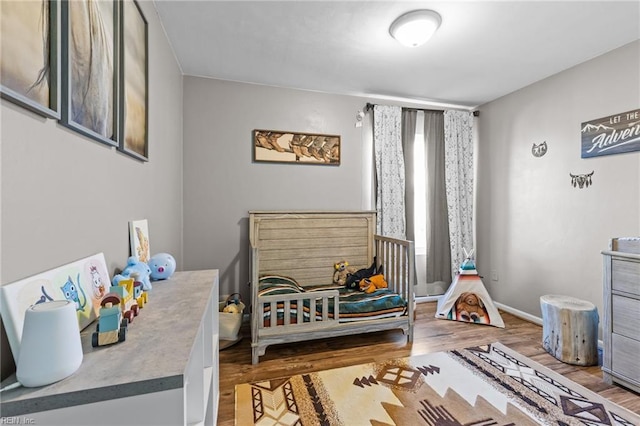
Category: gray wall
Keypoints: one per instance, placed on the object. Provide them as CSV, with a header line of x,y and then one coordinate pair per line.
x,y
222,184
539,233
65,197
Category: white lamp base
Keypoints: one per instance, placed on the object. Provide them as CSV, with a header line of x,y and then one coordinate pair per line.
x,y
51,348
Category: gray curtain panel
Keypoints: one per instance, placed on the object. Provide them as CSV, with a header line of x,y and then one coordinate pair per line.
x,y
408,135
438,243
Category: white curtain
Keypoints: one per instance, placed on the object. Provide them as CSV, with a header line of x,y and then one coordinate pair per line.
x,y
459,172
390,183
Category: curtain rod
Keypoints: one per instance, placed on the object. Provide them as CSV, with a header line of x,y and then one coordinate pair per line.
x,y
370,106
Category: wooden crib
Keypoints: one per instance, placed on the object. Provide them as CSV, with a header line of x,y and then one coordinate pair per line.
x,y
302,247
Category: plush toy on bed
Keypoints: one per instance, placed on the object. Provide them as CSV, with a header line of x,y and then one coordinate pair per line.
x,y
353,280
373,283
343,270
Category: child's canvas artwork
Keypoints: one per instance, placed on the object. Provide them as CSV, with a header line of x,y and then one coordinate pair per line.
x,y
84,282
139,237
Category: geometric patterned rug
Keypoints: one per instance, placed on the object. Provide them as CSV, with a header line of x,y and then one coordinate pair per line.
x,y
479,386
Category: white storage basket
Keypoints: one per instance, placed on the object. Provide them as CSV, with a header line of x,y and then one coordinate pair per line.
x,y
230,322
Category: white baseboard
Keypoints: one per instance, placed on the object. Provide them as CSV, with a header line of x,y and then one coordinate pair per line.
x,y
424,299
518,313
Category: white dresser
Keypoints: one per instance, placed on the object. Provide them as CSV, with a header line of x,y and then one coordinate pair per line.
x,y
164,373
621,322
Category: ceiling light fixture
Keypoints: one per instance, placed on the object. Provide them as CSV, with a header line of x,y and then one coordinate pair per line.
x,y
416,27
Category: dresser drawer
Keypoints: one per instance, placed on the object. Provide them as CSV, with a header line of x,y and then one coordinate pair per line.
x,y
625,276
626,316
624,357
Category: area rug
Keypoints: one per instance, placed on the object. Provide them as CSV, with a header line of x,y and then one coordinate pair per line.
x,y
479,386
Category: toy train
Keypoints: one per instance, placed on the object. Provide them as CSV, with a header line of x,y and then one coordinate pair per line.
x,y
117,309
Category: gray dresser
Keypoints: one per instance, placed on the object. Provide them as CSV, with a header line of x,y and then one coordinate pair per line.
x,y
164,373
621,322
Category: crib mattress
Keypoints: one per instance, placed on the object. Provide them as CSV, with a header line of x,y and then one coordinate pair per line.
x,y
353,305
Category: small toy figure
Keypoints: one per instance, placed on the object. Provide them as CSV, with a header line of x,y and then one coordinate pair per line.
x,y
128,305
141,297
110,328
162,266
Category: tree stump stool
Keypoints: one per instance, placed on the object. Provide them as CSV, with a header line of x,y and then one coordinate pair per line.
x,y
570,329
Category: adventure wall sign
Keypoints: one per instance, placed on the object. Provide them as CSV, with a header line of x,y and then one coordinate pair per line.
x,y
614,134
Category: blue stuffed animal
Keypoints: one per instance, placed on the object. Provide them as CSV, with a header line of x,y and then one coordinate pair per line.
x,y
135,266
162,265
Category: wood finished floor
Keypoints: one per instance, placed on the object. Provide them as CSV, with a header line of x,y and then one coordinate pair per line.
x,y
430,335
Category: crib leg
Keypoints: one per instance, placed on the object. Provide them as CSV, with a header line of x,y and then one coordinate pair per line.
x,y
409,333
256,352
254,356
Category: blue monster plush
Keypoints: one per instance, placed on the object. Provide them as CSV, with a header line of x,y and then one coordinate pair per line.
x,y
135,266
162,265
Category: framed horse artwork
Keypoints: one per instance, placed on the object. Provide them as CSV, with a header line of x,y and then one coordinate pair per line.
x,y
134,78
29,66
89,65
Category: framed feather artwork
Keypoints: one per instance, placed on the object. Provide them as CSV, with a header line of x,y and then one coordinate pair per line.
x,y
278,146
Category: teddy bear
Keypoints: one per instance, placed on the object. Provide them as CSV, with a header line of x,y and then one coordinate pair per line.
x,y
231,308
373,283
343,270
469,307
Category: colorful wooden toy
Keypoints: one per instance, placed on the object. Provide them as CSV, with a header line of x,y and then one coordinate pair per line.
x,y
111,327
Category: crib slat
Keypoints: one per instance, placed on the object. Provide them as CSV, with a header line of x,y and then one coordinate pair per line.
x,y
273,313
287,312
325,309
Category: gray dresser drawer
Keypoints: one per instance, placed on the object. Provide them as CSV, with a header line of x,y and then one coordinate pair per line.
x,y
626,316
625,357
625,276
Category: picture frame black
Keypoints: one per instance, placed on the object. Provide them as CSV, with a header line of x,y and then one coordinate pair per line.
x,y
134,77
22,83
90,62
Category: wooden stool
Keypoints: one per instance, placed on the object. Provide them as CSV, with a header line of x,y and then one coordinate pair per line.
x,y
570,329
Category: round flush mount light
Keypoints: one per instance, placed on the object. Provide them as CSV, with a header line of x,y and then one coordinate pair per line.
x,y
416,27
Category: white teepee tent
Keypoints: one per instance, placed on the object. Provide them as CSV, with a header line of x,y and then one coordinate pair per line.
x,y
467,299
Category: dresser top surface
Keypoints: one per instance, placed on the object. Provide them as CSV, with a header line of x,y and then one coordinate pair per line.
x,y
153,357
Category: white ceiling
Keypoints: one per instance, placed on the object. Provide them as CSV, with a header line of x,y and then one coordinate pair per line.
x,y
483,49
